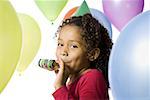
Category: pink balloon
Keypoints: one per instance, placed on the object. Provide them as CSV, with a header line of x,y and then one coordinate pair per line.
x,y
120,12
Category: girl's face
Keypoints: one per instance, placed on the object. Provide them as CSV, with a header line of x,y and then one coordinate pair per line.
x,y
72,48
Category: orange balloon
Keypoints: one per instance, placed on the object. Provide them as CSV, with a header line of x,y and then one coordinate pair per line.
x,y
70,12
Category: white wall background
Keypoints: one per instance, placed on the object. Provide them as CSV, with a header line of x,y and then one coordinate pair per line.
x,y
36,83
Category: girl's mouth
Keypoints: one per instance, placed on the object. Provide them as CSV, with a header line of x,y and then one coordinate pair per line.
x,y
65,60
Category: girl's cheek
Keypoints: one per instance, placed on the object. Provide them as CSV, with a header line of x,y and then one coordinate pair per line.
x,y
57,53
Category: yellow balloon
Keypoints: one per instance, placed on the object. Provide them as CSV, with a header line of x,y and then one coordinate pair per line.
x,y
31,39
10,42
51,8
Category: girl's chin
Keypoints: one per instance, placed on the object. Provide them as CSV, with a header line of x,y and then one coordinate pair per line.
x,y
67,65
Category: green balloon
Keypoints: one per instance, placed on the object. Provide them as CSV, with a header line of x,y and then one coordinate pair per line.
x,y
31,39
83,9
51,8
10,42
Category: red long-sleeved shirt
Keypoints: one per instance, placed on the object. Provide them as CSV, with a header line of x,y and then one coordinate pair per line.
x,y
90,86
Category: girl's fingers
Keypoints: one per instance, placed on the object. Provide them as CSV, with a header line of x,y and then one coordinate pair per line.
x,y
61,66
56,71
57,61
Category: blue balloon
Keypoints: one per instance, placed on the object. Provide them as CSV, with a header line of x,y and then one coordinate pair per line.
x,y
102,19
129,64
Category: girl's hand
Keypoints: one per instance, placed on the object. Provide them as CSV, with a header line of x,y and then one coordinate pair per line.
x,y
62,74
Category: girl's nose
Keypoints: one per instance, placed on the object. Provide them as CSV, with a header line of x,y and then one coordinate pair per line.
x,y
64,53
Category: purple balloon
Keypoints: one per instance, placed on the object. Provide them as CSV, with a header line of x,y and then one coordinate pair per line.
x,y
120,12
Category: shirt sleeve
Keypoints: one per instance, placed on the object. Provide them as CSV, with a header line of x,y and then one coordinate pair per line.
x,y
62,94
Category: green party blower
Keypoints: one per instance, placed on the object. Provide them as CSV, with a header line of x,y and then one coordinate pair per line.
x,y
48,64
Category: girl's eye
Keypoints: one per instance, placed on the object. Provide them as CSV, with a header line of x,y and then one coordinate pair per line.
x,y
60,44
74,46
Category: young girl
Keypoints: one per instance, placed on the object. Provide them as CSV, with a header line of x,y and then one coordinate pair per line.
x,y
82,54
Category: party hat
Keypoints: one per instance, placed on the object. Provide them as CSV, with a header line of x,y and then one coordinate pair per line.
x,y
83,9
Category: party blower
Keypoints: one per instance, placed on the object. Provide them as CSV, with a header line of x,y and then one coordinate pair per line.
x,y
48,64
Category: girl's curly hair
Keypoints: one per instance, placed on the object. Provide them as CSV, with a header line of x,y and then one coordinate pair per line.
x,y
96,36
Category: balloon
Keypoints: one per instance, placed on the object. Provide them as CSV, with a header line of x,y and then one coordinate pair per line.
x,y
120,12
31,41
10,42
83,9
70,12
51,8
129,64
102,19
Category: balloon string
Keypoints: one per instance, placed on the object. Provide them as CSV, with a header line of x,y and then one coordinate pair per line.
x,y
20,74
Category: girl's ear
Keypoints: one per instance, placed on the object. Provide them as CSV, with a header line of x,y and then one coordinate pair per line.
x,y
93,54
